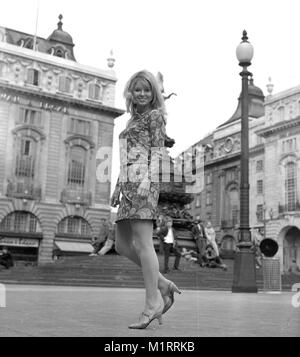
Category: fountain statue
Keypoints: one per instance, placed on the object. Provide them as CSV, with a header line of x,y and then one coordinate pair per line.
x,y
173,196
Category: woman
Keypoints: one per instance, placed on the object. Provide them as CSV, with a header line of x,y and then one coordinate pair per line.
x,y
211,240
138,205
211,237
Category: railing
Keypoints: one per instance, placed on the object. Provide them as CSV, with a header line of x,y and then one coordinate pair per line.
x,y
290,207
76,196
25,190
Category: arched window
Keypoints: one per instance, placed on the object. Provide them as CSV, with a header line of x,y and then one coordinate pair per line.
x,y
76,169
59,53
33,76
20,222
291,186
65,84
28,43
94,91
25,158
74,225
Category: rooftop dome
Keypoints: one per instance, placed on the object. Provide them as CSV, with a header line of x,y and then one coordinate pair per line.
x,y
255,91
256,104
59,35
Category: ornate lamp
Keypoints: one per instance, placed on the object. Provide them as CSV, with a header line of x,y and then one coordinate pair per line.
x,y
244,273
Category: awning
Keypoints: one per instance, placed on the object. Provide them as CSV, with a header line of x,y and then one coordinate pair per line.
x,y
75,247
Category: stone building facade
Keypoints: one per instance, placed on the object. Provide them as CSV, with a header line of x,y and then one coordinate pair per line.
x,y
274,139
56,134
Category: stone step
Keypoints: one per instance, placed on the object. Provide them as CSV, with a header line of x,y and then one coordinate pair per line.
x,y
113,270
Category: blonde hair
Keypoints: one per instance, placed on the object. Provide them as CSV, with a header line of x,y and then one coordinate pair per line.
x,y
157,101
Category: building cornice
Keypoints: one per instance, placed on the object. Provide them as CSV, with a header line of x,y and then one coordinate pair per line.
x,y
59,62
283,125
258,149
64,101
270,99
223,159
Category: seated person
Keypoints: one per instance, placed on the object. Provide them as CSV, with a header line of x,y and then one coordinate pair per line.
x,y
188,255
110,241
6,258
213,260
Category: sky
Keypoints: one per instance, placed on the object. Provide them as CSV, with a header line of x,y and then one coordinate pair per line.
x,y
191,42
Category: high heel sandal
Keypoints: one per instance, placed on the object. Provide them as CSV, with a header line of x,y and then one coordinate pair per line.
x,y
147,320
172,288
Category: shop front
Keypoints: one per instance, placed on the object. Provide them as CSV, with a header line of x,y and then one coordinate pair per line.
x,y
73,237
21,246
20,232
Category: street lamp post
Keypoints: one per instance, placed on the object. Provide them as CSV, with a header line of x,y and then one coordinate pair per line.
x,y
244,273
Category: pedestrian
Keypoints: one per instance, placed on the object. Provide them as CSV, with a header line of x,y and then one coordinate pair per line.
x,y
160,224
109,243
198,233
144,134
190,255
169,236
101,238
6,258
211,239
213,260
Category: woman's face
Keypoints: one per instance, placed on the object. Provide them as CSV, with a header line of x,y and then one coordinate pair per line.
x,y
142,94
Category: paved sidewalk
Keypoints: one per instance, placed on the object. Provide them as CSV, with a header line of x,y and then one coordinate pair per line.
x,y
81,311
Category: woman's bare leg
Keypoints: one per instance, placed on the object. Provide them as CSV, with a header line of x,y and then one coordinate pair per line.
x,y
124,246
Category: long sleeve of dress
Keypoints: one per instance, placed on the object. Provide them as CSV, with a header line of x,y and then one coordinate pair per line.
x,y
157,139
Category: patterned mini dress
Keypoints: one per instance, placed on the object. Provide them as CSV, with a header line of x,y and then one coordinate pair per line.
x,y
140,150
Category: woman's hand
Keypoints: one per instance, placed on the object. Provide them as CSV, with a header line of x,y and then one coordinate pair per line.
x,y
115,198
144,188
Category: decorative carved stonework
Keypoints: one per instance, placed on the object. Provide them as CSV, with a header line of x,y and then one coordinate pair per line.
x,y
227,146
53,107
9,98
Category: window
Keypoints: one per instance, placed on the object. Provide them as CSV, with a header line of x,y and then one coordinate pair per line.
x,y
59,53
198,200
260,212
259,165
25,158
30,117
259,187
33,77
208,198
208,179
290,186
1,69
76,170
281,113
78,126
75,226
28,43
94,91
65,84
20,221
